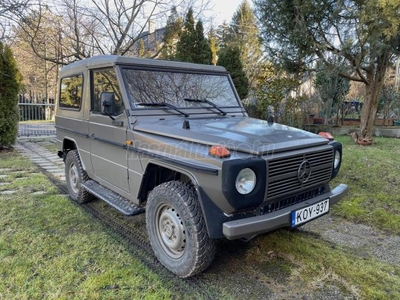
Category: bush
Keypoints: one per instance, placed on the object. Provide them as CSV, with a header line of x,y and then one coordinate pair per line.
x,y
10,83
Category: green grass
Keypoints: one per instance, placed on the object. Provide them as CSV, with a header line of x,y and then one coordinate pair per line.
x,y
305,262
313,264
373,176
52,147
51,249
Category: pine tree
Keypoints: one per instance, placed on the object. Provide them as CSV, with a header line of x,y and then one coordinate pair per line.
x,y
229,57
9,87
172,34
193,46
204,54
212,39
244,35
366,36
184,47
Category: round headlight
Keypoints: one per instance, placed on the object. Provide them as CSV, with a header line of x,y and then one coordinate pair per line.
x,y
336,160
246,181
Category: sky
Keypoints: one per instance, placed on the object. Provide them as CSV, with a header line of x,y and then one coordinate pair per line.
x,y
223,10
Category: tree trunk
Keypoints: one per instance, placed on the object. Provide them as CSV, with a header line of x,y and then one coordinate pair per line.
x,y
328,109
369,111
375,77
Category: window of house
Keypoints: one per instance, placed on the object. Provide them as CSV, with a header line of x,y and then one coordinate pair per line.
x,y
71,92
105,81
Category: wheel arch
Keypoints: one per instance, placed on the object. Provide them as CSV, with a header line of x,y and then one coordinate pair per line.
x,y
213,216
157,173
69,144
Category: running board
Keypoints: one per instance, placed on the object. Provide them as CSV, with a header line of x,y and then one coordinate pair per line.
x,y
118,202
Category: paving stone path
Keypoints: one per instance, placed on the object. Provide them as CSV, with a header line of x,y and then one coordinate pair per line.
x,y
42,157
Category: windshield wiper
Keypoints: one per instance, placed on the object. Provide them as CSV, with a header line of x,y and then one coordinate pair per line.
x,y
208,102
163,104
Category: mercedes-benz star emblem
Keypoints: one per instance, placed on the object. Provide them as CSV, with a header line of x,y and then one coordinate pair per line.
x,y
304,171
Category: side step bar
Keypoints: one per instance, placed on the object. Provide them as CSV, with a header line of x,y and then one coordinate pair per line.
x,y
118,202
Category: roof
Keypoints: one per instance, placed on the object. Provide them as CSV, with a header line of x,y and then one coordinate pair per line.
x,y
102,61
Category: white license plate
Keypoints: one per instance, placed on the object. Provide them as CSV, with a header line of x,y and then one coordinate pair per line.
x,y
310,212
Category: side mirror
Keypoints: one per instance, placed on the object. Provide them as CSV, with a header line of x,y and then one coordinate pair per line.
x,y
107,100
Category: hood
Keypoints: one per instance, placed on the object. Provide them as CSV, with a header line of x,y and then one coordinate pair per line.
x,y
241,134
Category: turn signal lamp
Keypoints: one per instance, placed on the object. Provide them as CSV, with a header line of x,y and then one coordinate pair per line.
x,y
129,143
219,151
326,135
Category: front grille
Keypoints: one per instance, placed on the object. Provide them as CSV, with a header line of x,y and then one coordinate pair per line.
x,y
283,178
286,202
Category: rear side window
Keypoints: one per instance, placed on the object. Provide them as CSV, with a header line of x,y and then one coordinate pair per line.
x,y
71,92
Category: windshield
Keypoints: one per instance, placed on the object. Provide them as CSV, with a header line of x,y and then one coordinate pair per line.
x,y
150,86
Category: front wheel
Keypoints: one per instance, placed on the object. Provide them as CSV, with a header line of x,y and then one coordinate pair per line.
x,y
75,175
177,230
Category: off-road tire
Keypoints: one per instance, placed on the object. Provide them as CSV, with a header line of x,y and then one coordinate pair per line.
x,y
176,203
75,175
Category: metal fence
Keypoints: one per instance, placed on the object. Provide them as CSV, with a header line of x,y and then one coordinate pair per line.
x,y
36,115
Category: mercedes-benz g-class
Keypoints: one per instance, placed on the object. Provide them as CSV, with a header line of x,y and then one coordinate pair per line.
x,y
173,140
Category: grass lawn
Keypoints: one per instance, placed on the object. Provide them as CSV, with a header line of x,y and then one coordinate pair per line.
x,y
51,249
373,176
311,264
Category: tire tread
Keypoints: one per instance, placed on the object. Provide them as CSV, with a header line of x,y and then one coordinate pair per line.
x,y
203,252
83,196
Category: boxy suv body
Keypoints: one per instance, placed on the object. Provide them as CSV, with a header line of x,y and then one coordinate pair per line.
x,y
173,140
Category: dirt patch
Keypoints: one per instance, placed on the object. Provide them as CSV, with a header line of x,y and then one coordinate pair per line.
x,y
364,240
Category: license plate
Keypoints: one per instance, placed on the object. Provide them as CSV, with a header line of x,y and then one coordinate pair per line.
x,y
310,212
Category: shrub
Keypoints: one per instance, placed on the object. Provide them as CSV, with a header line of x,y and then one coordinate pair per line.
x,y
10,83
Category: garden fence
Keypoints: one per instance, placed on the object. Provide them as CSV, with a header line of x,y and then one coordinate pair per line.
x,y
36,115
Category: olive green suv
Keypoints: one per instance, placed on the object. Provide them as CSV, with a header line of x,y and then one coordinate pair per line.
x,y
172,140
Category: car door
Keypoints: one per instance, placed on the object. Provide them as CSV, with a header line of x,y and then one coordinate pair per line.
x,y
108,133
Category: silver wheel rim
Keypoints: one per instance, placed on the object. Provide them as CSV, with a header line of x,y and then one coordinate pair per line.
x,y
73,178
171,232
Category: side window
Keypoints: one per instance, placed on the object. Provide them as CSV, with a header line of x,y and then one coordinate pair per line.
x,y
105,81
71,92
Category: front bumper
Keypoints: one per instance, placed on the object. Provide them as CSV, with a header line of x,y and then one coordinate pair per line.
x,y
249,227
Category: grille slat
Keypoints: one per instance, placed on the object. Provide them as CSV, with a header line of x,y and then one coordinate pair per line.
x,y
291,200
282,173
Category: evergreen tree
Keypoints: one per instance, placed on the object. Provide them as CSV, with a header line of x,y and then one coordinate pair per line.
x,y
193,46
229,57
212,39
202,46
274,87
9,87
224,35
364,33
184,47
243,33
331,87
172,34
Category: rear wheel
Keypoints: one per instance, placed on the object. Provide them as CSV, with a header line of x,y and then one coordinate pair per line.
x,y
75,175
177,230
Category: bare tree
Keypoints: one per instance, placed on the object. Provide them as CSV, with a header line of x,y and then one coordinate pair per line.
x,y
81,29
7,9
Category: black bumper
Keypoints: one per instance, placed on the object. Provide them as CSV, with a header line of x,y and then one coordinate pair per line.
x,y
249,227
